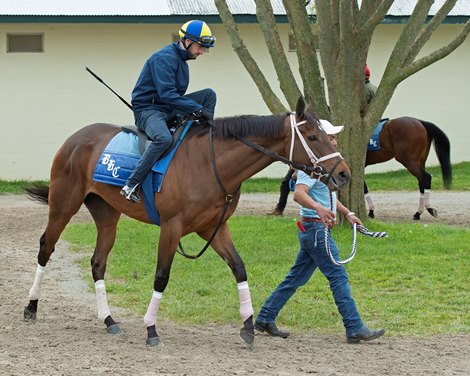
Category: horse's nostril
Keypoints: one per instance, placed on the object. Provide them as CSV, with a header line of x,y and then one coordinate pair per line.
x,y
344,176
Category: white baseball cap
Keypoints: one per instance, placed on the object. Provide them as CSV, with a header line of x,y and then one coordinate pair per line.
x,y
330,128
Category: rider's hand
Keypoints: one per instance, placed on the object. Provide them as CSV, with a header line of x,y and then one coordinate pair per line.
x,y
202,115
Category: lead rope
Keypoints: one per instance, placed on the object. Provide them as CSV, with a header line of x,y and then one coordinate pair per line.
x,y
355,228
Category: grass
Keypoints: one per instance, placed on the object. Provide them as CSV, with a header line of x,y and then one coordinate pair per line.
x,y
16,186
384,181
413,282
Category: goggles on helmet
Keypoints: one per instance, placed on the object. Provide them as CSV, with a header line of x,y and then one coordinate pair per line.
x,y
203,40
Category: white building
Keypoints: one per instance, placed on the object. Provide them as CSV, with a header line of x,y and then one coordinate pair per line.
x,y
46,95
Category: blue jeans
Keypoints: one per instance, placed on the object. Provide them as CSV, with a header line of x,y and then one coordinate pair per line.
x,y
313,254
154,124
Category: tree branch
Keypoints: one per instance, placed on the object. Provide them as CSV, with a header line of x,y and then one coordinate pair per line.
x,y
371,14
403,45
309,68
428,30
328,22
269,97
265,15
434,56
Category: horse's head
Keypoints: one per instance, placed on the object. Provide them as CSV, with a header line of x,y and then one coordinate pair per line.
x,y
311,146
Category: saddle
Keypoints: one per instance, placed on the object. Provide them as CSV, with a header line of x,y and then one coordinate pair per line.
x,y
122,154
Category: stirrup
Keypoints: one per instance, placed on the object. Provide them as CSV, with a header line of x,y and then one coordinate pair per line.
x,y
130,193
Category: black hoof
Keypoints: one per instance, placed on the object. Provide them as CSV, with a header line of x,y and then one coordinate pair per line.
x,y
155,342
247,332
29,315
417,216
432,211
115,330
30,310
371,214
247,337
152,337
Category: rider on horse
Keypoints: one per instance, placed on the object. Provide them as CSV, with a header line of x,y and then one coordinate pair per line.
x,y
159,95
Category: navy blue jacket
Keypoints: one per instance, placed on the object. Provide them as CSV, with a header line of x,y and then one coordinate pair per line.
x,y
163,82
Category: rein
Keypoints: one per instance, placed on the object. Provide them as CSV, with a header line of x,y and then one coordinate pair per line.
x,y
228,200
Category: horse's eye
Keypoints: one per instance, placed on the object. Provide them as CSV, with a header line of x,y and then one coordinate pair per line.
x,y
312,138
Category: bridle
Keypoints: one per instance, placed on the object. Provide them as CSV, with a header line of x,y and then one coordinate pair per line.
x,y
315,168
313,158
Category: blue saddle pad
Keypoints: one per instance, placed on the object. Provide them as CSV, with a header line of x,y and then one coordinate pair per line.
x,y
374,141
119,159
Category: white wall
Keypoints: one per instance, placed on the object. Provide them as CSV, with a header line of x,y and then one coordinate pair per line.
x,y
47,96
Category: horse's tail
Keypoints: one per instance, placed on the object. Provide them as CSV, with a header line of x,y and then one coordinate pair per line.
x,y
442,147
38,192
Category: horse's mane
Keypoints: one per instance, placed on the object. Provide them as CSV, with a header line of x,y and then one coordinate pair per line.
x,y
243,126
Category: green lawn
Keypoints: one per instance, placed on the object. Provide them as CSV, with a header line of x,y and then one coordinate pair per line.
x,y
384,181
387,181
413,282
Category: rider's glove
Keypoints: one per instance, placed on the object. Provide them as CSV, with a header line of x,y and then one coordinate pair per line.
x,y
202,115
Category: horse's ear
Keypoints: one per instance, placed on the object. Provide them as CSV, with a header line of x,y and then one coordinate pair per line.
x,y
310,108
300,108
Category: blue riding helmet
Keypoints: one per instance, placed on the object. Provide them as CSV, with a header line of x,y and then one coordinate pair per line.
x,y
198,32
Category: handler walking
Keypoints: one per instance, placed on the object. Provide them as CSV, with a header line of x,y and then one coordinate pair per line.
x,y
318,209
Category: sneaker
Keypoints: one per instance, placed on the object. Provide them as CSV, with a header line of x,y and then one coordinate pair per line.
x,y
130,193
365,334
276,211
271,329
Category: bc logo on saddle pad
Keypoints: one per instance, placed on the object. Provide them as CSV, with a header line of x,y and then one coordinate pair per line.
x,y
119,158
374,142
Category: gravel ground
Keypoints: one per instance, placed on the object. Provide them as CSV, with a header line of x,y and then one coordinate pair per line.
x,y
67,338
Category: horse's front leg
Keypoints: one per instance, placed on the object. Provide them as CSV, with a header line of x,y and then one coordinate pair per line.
x,y
225,248
166,251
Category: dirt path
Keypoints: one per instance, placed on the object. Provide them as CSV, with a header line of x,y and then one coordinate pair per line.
x,y
67,339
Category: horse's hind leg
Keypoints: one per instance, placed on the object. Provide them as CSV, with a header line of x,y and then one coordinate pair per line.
x,y
61,211
223,245
369,201
106,218
424,196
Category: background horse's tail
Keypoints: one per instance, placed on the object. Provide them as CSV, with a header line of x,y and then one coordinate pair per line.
x,y
38,192
442,146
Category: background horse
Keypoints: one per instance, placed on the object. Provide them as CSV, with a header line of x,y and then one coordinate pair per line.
x,y
408,140
200,192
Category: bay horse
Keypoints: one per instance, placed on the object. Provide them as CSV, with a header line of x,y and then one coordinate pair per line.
x,y
409,140
200,192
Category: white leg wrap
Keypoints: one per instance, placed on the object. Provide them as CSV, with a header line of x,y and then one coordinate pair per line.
x,y
151,315
427,198
102,300
370,203
246,308
35,291
421,203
